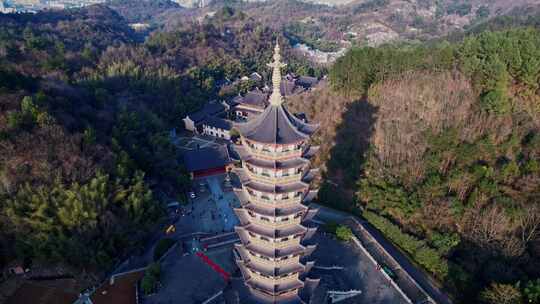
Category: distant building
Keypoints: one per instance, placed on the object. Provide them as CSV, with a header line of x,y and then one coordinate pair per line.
x,y
251,105
255,77
193,119
207,161
139,26
217,127
307,82
289,88
4,9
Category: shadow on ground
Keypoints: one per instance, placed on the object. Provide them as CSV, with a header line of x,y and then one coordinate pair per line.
x,y
347,156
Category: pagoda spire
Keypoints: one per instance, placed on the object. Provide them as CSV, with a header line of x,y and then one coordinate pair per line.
x,y
276,99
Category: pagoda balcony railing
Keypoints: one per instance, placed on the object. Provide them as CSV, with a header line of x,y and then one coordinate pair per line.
x,y
271,155
277,245
273,263
275,225
272,279
272,202
267,179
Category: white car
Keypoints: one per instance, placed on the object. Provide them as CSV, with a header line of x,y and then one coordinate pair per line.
x,y
192,195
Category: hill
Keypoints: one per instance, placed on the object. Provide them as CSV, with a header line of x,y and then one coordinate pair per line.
x,y
437,146
86,112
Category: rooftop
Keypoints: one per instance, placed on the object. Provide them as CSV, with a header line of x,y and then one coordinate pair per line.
x,y
62,291
121,291
206,158
276,126
254,98
209,109
218,123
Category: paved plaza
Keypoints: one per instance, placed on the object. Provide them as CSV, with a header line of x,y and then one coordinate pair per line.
x,y
358,272
212,210
186,279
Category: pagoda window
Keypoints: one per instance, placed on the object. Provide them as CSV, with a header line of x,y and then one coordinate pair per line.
x,y
284,239
265,197
265,239
265,219
284,219
285,196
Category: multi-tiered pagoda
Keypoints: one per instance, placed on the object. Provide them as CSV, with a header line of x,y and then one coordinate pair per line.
x,y
275,177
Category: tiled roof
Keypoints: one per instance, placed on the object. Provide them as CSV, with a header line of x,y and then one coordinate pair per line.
x,y
276,126
256,99
210,109
306,81
207,158
42,292
122,291
217,122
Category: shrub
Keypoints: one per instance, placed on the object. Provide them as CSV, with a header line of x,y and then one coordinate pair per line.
x,y
147,284
344,233
162,246
432,261
428,257
531,292
151,277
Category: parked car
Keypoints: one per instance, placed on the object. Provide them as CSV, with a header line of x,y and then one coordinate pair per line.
x,y
192,195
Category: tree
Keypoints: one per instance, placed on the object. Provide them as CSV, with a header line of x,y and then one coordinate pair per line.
x,y
531,292
161,247
151,278
501,294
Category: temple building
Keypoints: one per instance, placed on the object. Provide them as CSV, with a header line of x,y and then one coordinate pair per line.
x,y
274,221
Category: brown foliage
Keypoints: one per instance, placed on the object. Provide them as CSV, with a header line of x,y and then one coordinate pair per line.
x,y
412,104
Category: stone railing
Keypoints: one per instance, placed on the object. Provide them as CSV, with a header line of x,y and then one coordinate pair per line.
x,y
277,245
275,203
274,225
274,280
270,155
265,179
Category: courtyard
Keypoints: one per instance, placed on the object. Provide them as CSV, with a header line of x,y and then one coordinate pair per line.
x,y
340,266
357,272
211,210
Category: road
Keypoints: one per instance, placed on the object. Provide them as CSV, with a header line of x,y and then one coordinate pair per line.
x,y
409,276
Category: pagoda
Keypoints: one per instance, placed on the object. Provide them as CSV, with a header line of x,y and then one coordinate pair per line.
x,y
274,220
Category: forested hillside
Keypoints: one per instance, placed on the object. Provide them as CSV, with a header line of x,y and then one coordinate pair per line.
x,y
439,146
86,110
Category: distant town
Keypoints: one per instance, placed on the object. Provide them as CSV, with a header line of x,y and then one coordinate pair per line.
x,y
33,6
